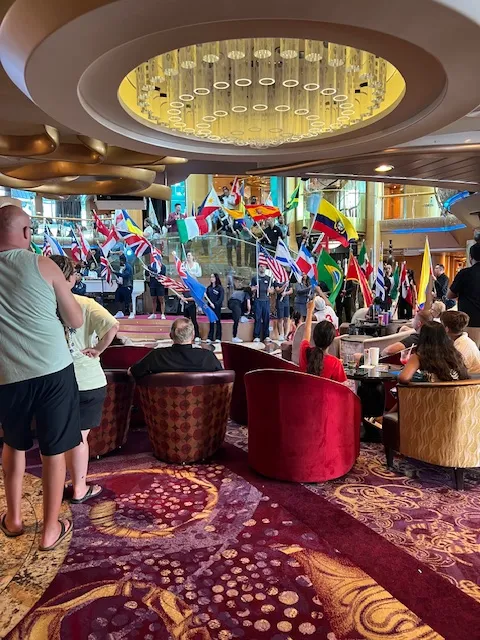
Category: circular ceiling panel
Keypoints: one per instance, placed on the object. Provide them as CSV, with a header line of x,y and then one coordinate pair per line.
x,y
261,92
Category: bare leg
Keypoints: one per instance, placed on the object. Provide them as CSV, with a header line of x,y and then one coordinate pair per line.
x,y
77,465
162,304
13,462
53,479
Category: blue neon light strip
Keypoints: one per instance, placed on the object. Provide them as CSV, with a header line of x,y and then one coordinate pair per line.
x,y
454,227
456,198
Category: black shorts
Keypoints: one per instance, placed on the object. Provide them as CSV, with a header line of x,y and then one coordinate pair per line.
x,y
53,402
156,289
124,295
91,407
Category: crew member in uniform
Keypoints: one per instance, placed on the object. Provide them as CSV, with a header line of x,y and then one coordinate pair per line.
x,y
261,306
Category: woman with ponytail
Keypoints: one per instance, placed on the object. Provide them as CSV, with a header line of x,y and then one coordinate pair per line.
x,y
316,360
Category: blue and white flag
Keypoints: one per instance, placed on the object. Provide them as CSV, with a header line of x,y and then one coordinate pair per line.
x,y
282,255
52,246
197,290
380,283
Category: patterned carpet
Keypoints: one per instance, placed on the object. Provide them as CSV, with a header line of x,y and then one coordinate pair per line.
x,y
216,552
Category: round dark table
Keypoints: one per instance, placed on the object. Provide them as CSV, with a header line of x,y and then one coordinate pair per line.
x,y
371,391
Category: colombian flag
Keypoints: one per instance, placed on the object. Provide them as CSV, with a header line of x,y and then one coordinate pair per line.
x,y
333,224
262,211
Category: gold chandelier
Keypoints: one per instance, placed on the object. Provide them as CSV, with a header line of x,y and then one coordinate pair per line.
x,y
261,92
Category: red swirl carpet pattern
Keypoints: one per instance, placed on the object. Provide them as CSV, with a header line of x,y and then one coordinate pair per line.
x,y
214,551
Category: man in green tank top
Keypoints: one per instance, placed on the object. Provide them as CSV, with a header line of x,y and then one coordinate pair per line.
x,y
37,380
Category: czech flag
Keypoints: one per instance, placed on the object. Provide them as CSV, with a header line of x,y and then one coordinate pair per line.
x,y
333,224
306,264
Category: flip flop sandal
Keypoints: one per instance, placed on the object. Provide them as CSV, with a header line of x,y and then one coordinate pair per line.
x,y
63,534
7,532
88,496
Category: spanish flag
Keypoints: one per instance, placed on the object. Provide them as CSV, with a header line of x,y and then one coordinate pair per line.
x,y
262,211
333,224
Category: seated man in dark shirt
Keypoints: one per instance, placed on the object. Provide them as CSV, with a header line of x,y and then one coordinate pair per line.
x,y
181,356
409,340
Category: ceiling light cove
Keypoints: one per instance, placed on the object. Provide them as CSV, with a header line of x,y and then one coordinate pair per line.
x,y
261,92
384,168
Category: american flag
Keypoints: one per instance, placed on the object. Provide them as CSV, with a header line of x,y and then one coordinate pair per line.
x,y
84,246
46,249
106,270
170,283
278,272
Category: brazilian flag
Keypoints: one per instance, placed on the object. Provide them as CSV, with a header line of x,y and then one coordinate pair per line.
x,y
292,202
330,273
35,248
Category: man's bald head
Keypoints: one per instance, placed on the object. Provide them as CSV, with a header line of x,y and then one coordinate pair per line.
x,y
14,228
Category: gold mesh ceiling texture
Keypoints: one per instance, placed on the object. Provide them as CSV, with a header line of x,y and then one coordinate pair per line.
x,y
261,92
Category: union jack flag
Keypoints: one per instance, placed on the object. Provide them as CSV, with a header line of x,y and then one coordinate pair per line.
x,y
155,260
278,272
106,270
170,283
139,245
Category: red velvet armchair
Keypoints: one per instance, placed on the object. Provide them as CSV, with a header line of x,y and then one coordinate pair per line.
x,y
186,413
242,360
301,428
113,430
122,357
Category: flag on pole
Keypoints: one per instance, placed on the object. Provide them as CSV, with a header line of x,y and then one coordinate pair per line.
x,y
395,283
34,248
75,247
210,204
51,246
425,275
125,224
192,227
110,242
170,283
138,244
155,260
364,262
405,288
334,224
84,246
269,202
279,274
306,264
196,290
235,193
106,271
356,274
283,256
99,224
152,216
380,283
262,211
292,202
330,273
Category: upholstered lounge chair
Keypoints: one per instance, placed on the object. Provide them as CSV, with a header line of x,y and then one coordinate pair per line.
x,y
113,430
241,360
186,413
438,423
122,357
301,428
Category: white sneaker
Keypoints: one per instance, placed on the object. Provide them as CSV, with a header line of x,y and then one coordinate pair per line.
x,y
256,339
281,338
162,317
131,316
267,340
120,314
207,341
197,340
237,340
218,341
152,316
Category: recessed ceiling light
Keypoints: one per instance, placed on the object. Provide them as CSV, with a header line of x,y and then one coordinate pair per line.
x,y
384,168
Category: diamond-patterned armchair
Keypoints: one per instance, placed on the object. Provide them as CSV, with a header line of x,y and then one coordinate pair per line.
x,y
113,430
186,413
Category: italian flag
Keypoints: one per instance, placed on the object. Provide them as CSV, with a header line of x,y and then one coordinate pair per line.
x,y
192,227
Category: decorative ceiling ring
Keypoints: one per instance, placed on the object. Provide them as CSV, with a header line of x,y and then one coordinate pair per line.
x,y
117,186
32,145
159,191
69,152
60,169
